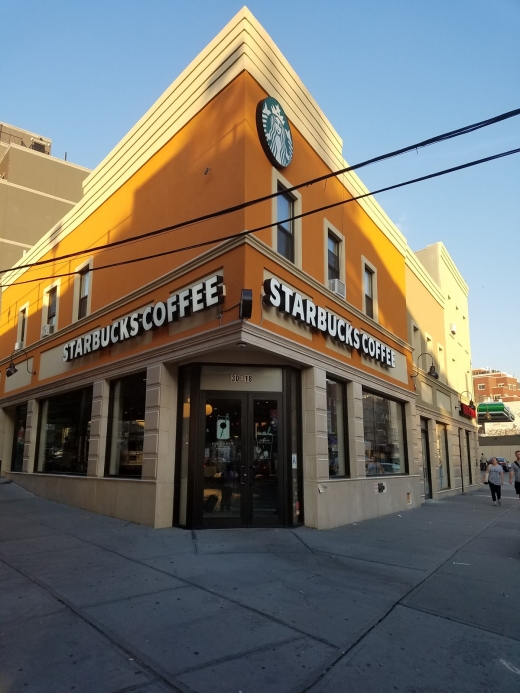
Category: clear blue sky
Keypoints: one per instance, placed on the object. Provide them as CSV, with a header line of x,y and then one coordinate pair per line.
x,y
386,73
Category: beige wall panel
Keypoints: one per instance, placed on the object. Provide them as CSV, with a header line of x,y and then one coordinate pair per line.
x,y
219,378
9,254
22,377
46,174
400,372
29,215
353,500
333,345
426,393
133,501
443,401
52,363
136,502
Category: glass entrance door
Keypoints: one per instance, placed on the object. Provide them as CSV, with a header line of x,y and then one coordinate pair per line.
x,y
241,464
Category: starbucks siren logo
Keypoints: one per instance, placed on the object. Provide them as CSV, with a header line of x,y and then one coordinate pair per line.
x,y
274,132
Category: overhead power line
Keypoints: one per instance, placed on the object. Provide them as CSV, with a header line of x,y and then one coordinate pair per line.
x,y
292,218
244,205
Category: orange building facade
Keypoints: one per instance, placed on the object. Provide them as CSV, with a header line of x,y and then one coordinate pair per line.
x,y
211,374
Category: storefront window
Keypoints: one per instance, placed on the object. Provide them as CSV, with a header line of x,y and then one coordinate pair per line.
x,y
126,426
336,429
443,467
385,451
64,433
20,420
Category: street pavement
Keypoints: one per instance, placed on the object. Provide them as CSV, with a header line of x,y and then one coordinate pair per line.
x,y
423,601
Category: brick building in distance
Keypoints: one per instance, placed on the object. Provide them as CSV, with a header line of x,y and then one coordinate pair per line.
x,y
495,385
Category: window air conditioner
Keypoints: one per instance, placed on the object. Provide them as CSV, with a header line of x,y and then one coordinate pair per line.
x,y
338,287
47,330
18,346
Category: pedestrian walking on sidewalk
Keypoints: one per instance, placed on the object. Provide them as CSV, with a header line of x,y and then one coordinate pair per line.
x,y
483,466
515,473
495,479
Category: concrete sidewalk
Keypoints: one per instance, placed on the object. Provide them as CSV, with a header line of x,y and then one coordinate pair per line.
x,y
424,601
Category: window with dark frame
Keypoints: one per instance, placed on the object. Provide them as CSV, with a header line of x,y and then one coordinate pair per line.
x,y
285,224
333,256
20,424
22,320
443,466
84,284
126,426
369,292
385,435
336,429
64,433
52,297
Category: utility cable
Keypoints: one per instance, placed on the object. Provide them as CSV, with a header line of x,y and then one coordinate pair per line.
x,y
292,218
244,205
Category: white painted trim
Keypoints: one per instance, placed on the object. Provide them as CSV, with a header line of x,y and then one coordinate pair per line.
x,y
45,303
373,268
19,325
278,179
3,181
77,281
17,243
329,228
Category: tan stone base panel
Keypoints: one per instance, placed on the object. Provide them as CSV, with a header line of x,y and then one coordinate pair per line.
x,y
126,499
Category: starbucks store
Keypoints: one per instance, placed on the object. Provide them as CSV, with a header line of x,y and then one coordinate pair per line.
x,y
219,354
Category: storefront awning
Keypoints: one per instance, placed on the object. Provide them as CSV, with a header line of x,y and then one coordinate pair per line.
x,y
497,411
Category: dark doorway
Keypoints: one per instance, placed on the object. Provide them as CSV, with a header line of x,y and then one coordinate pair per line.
x,y
425,444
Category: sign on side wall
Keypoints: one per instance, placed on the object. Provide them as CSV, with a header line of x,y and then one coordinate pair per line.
x,y
467,411
274,132
187,302
290,302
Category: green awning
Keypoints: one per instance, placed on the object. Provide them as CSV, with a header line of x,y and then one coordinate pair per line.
x,y
496,410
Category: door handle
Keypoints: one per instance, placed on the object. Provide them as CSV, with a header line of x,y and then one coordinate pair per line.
x,y
243,475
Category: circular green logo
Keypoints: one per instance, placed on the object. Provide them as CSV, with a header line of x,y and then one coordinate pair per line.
x,y
274,132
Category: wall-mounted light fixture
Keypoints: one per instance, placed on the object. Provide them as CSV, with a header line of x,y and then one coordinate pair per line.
x,y
431,371
471,402
12,369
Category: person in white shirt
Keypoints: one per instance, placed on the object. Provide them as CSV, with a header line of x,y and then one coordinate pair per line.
x,y
514,473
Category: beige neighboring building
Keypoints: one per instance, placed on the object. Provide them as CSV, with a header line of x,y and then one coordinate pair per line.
x,y
438,325
36,190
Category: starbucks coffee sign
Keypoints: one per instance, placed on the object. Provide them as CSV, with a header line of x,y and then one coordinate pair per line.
x,y
274,132
290,302
205,294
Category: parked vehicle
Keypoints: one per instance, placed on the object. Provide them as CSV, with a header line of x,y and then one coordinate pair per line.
x,y
503,463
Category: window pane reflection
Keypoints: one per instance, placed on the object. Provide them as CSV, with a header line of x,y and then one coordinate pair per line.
x,y
443,470
384,437
222,458
127,406
20,421
65,432
336,428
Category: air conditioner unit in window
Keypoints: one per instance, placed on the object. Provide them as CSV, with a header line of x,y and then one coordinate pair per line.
x,y
18,346
47,330
338,287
